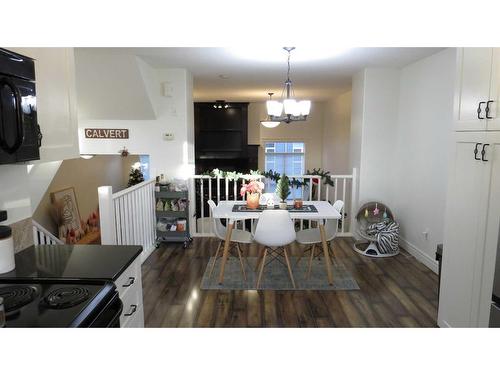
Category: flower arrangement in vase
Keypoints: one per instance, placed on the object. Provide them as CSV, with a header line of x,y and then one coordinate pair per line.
x,y
253,190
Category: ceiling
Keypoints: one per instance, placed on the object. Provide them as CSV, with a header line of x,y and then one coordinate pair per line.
x,y
248,75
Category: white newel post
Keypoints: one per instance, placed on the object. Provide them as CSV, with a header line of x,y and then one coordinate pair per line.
x,y
354,203
107,215
192,206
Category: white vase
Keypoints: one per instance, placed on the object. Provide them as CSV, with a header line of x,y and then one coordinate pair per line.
x,y
282,205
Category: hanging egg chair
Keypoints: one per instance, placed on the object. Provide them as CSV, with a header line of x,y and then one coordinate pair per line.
x,y
378,229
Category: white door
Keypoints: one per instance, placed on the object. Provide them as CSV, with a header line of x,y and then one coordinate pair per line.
x,y
472,88
492,227
493,104
464,231
56,101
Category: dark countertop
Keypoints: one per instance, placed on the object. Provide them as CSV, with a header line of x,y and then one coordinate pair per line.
x,y
73,261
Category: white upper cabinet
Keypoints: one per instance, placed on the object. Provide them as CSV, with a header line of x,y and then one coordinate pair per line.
x,y
472,88
494,104
477,89
56,101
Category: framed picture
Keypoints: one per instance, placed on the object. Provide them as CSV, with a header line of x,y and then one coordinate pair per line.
x,y
70,215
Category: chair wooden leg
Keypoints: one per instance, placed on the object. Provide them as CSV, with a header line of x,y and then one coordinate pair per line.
x,y
215,259
241,262
259,259
262,264
330,251
285,252
313,250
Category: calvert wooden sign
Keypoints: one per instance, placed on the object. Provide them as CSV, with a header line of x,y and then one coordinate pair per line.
x,y
106,133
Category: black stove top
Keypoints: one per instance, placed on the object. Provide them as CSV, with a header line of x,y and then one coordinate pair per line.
x,y
50,303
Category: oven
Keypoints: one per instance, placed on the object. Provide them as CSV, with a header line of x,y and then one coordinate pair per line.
x,y
20,135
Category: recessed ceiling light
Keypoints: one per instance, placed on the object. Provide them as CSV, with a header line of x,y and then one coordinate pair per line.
x,y
223,76
275,54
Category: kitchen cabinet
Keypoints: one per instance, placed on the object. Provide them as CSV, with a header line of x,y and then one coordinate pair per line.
x,y
471,230
56,101
477,89
129,287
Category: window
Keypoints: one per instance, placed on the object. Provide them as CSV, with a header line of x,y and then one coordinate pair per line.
x,y
285,157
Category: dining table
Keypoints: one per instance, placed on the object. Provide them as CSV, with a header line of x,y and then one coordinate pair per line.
x,y
323,211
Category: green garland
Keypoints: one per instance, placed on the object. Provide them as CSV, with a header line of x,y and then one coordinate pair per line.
x,y
272,175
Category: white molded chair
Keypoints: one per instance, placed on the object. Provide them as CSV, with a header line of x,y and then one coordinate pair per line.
x,y
312,237
275,230
238,237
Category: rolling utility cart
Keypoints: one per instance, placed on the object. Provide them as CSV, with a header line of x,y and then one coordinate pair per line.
x,y
172,216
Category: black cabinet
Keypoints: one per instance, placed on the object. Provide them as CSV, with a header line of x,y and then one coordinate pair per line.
x,y
221,138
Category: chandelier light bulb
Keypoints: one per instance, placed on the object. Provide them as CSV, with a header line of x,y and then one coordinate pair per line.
x,y
270,124
305,107
274,108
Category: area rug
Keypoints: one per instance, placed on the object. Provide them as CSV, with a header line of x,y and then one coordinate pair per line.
x,y
275,276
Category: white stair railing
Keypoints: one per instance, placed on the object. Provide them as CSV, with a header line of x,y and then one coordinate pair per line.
x,y
204,187
42,236
128,216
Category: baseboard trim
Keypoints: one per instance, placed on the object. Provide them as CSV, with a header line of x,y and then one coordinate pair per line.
x,y
420,255
443,324
147,252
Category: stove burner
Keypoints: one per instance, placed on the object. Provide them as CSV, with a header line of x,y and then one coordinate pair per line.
x,y
15,297
63,298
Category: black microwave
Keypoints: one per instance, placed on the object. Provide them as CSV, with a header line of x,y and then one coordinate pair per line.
x,y
20,136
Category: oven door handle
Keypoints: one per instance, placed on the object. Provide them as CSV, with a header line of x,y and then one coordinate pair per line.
x,y
5,81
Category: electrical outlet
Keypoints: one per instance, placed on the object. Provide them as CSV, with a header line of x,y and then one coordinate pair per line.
x,y
168,136
425,233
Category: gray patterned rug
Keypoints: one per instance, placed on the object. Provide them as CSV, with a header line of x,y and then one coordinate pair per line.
x,y
275,276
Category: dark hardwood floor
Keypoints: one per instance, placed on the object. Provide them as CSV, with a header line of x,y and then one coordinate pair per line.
x,y
394,292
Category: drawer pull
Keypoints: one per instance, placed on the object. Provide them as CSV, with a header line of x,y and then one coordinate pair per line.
x,y
133,309
131,280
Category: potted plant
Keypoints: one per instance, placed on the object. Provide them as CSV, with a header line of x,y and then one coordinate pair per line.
x,y
283,190
253,190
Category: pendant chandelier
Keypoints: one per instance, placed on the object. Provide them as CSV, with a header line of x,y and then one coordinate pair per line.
x,y
289,109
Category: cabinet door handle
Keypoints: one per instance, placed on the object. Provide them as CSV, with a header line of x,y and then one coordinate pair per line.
x,y
19,117
39,135
133,309
487,109
483,152
479,110
131,280
476,151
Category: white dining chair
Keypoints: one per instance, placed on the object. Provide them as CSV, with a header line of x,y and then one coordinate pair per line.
x,y
312,237
238,237
275,230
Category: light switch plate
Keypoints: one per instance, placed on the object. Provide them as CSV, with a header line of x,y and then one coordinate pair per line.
x,y
168,136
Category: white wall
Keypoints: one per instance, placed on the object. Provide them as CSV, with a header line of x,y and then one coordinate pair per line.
x,y
337,134
15,192
399,128
111,94
425,120
356,131
174,115
380,126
